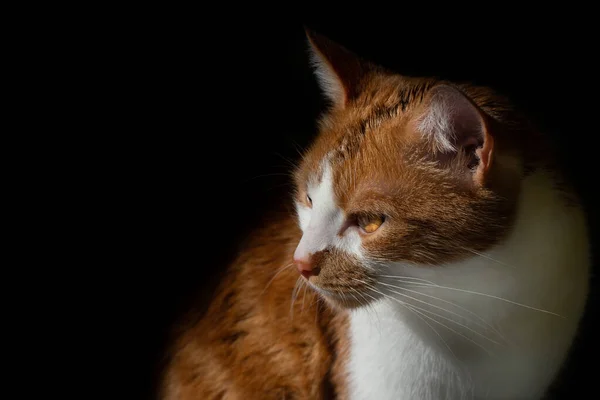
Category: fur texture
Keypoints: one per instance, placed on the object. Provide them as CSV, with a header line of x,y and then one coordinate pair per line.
x,y
256,340
450,260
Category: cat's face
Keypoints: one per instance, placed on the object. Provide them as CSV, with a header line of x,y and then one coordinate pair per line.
x,y
403,171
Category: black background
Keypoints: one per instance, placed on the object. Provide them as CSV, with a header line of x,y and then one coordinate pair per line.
x,y
215,110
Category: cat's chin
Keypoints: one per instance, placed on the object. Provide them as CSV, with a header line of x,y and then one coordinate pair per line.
x,y
342,300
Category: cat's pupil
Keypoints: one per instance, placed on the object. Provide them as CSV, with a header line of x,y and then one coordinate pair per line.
x,y
309,199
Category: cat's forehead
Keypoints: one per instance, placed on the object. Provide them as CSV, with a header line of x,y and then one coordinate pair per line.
x,y
368,140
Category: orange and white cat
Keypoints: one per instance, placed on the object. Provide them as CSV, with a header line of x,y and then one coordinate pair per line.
x,y
439,252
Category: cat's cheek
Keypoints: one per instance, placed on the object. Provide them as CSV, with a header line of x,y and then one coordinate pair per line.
x,y
303,216
351,244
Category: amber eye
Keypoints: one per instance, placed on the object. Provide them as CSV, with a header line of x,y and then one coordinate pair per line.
x,y
370,223
309,200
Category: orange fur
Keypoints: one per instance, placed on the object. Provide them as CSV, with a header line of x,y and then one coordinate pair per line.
x,y
249,344
383,169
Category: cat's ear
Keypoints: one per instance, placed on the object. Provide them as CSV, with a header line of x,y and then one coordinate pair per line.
x,y
338,70
458,132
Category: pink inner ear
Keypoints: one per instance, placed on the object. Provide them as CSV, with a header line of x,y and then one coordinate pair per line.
x,y
452,124
451,121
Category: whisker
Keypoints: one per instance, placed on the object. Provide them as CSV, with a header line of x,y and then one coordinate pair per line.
x,y
294,296
317,308
367,304
485,323
407,278
346,269
343,299
487,257
370,306
360,294
299,149
305,285
356,298
436,314
415,312
433,319
315,300
452,330
291,163
376,315
274,276
490,296
444,317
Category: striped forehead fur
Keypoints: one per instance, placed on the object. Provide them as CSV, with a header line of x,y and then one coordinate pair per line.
x,y
376,106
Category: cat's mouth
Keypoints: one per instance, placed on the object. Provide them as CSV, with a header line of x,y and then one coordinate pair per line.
x,y
338,277
346,296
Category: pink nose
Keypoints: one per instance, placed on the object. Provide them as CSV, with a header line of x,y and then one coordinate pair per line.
x,y
304,266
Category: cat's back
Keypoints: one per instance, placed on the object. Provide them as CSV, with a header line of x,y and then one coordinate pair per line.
x,y
263,335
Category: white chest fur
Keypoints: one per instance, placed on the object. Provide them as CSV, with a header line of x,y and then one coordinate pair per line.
x,y
476,330
389,361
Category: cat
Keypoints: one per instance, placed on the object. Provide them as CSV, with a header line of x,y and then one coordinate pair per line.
x,y
436,252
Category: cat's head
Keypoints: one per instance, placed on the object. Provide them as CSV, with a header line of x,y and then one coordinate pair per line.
x,y
404,170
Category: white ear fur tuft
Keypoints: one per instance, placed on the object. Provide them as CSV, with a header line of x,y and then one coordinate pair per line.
x,y
451,121
338,70
329,81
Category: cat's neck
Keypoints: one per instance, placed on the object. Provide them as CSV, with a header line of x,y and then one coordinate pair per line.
x,y
467,328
